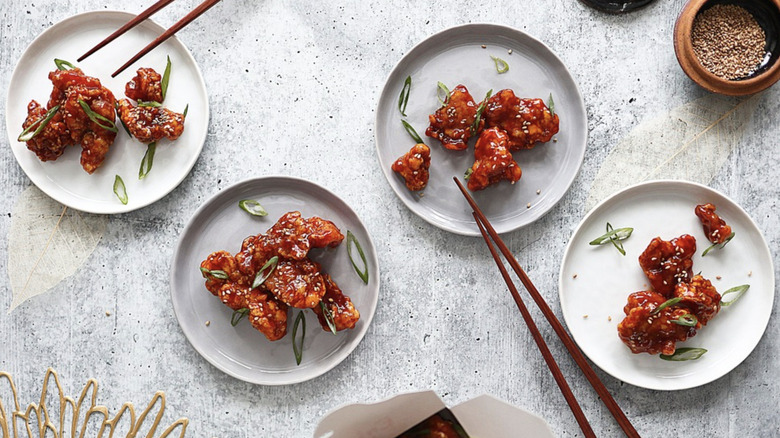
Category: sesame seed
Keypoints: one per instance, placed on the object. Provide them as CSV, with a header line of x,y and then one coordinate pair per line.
x,y
718,277
208,323
555,139
538,191
528,205
574,276
108,313
609,318
585,316
750,274
484,46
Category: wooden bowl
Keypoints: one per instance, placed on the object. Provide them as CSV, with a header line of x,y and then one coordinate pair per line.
x,y
766,13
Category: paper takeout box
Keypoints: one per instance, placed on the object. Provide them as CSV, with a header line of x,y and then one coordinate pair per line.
x,y
481,417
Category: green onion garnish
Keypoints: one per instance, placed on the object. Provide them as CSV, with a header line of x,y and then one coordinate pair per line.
x,y
97,118
404,97
501,65
147,160
166,77
442,90
328,317
682,354
63,64
127,130
28,133
468,173
739,290
665,304
184,114
480,109
719,245
262,276
149,104
252,207
220,275
412,132
364,272
298,346
687,320
119,189
616,234
551,105
238,315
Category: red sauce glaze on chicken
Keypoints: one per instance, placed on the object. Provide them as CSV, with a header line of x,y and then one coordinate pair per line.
x,y
451,124
493,161
146,85
149,124
341,309
526,121
432,427
715,227
667,263
644,331
700,297
413,167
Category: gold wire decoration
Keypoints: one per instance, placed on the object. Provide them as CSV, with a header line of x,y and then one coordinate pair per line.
x,y
35,421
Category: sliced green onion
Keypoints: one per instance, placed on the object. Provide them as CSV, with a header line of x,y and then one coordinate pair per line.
x,y
238,315
63,64
739,290
127,130
28,133
120,190
501,65
149,104
468,173
166,77
220,275
403,99
252,207
364,272
665,304
551,105
328,317
298,346
412,132
687,320
480,109
184,114
616,234
97,118
442,90
147,160
682,354
615,242
719,245
262,276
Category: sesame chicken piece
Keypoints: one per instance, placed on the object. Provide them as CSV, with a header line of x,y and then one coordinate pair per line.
x,y
666,263
344,313
451,124
267,314
493,161
146,86
526,121
645,332
715,227
413,167
297,283
700,297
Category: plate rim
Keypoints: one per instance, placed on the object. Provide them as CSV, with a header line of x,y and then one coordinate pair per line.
x,y
765,250
119,208
506,28
177,312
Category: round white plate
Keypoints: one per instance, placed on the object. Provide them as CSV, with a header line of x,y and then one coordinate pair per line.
x,y
604,279
242,351
455,56
64,179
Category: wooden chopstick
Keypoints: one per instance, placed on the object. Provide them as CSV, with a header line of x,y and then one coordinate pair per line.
x,y
548,357
568,342
197,12
130,24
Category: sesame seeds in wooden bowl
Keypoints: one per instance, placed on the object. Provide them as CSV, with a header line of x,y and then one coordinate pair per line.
x,y
729,47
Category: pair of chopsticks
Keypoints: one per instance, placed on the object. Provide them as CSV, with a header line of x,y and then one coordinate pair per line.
x,y
489,232
197,12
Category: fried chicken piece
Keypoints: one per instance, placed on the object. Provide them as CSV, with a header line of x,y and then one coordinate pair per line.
x,y
700,297
234,295
323,233
341,309
255,252
493,161
413,167
267,314
297,283
526,121
225,262
149,124
715,227
146,85
51,142
451,123
667,263
289,236
433,427
644,332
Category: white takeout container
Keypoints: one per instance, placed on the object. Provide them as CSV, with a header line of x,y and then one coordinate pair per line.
x,y
481,417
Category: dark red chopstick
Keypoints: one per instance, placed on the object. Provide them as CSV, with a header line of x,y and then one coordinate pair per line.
x,y
130,24
575,352
548,357
197,12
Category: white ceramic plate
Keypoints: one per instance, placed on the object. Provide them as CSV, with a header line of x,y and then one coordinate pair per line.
x,y
64,179
605,279
455,56
241,351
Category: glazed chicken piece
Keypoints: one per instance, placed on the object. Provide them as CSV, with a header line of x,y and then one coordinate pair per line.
x,y
146,86
292,236
297,283
433,427
413,167
526,121
715,228
267,314
51,142
700,297
225,262
493,161
452,123
645,332
149,124
323,233
344,314
667,263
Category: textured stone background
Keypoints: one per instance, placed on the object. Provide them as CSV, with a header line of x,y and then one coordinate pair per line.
x,y
293,87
